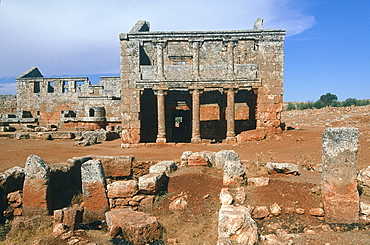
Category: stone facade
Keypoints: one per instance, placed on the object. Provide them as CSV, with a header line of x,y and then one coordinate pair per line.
x,y
173,87
189,86
69,102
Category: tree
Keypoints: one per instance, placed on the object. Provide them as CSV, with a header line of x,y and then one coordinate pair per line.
x,y
328,98
318,104
350,102
290,106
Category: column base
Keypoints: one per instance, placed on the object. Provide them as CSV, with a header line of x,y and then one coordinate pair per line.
x,y
196,140
230,139
161,141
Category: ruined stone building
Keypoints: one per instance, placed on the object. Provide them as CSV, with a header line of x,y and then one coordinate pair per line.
x,y
181,86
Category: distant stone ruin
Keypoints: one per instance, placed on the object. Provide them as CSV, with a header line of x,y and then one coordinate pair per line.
x,y
184,86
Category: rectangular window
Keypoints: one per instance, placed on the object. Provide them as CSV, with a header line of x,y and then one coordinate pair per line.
x,y
36,87
79,85
50,87
65,86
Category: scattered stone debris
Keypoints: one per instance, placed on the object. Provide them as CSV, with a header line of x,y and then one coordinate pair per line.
x,y
260,181
285,168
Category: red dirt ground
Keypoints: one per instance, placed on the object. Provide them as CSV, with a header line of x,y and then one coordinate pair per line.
x,y
301,145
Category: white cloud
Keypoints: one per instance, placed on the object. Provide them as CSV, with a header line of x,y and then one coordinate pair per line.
x,y
81,37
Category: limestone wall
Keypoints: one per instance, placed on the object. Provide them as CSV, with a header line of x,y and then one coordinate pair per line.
x,y
68,99
8,104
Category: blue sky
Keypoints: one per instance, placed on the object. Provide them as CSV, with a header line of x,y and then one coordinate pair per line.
x,y
326,49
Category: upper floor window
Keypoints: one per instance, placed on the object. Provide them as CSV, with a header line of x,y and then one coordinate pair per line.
x,y
36,87
50,87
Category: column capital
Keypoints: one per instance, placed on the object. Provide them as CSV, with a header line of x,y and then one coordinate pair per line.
x,y
160,43
200,90
160,91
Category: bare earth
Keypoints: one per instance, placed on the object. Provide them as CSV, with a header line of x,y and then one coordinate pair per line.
x,y
301,145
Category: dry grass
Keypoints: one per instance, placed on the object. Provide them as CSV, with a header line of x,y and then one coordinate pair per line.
x,y
29,231
200,230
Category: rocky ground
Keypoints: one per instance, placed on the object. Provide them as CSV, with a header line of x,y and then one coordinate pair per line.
x,y
197,224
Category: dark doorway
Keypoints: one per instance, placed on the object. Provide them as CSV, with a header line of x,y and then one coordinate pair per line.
x,y
212,115
181,126
148,116
245,111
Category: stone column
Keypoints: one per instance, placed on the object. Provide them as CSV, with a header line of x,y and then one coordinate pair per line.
x,y
160,70
93,190
230,120
195,135
230,60
195,67
36,191
339,175
161,136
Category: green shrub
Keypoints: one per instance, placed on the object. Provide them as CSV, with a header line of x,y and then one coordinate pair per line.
x,y
318,104
290,107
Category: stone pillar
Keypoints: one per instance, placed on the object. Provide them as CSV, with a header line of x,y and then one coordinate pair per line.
x,y
195,135
230,120
230,60
339,175
161,136
195,67
93,190
36,190
160,70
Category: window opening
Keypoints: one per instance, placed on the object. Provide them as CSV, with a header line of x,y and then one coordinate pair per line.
x,y
50,87
91,113
65,87
79,85
36,87
178,120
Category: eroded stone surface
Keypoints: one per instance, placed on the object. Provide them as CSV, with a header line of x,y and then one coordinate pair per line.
x,y
339,175
236,226
36,191
163,166
136,227
234,173
93,190
286,168
119,189
224,155
153,183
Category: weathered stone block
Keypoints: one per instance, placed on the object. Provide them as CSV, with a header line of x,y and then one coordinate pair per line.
x,y
69,216
93,190
136,227
116,166
251,135
339,175
285,168
224,155
164,166
364,181
36,191
184,158
234,173
198,159
121,189
153,183
236,226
